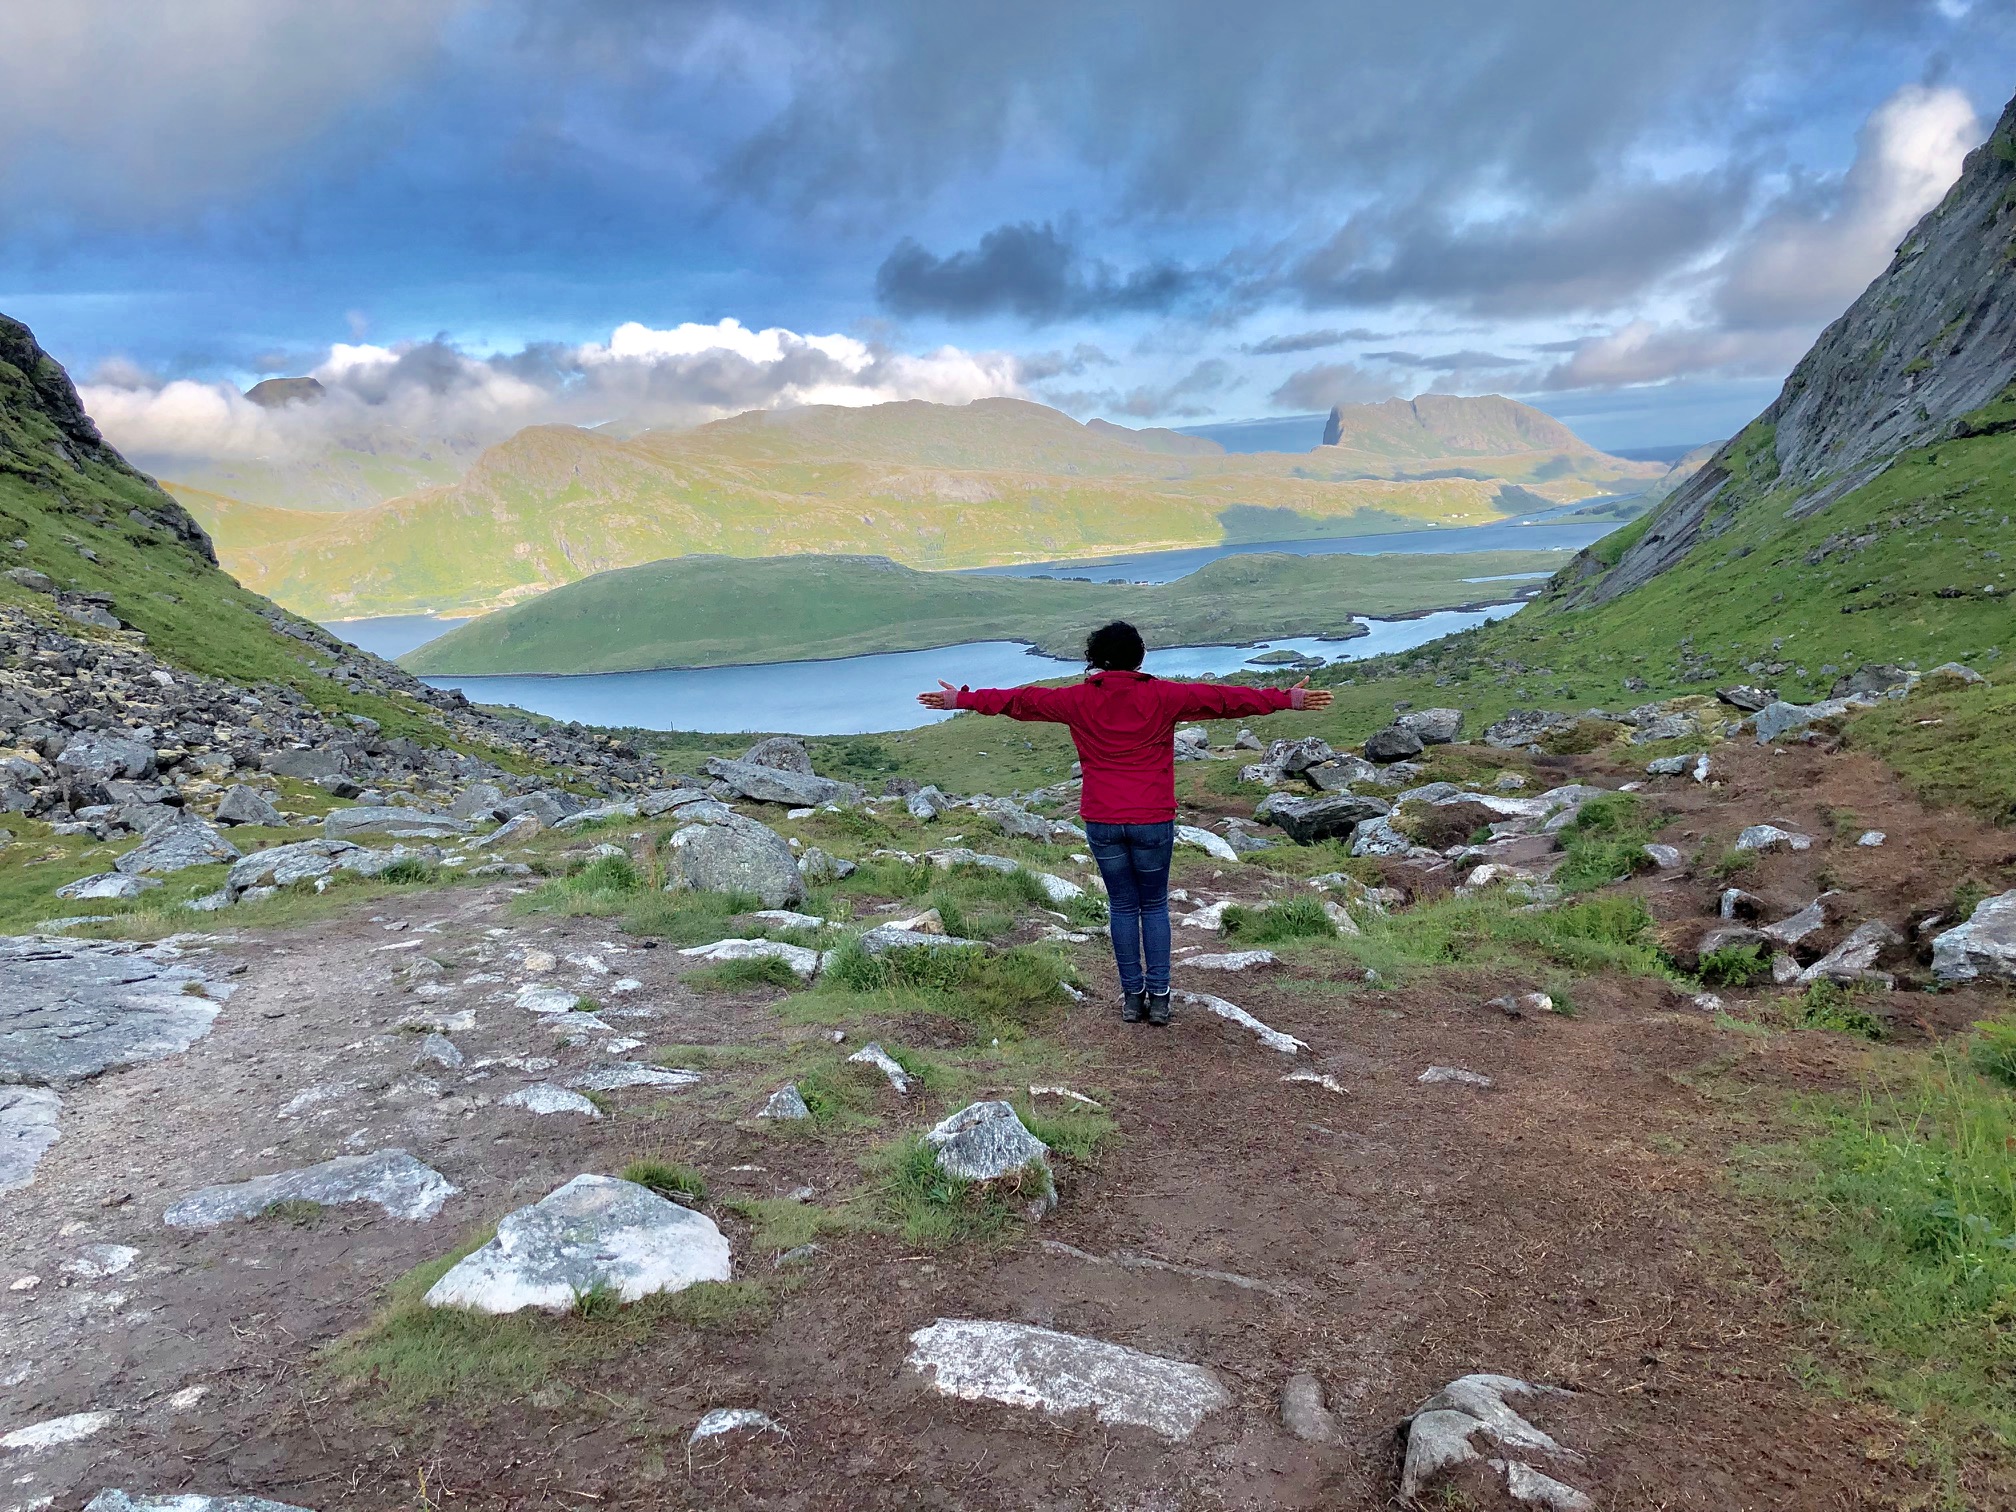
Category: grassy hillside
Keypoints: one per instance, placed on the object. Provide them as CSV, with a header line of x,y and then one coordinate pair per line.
x,y
930,485
721,611
1437,427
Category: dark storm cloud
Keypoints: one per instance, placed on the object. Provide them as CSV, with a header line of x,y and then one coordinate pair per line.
x,y
1031,271
1311,341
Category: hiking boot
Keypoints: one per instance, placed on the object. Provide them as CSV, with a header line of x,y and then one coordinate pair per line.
x,y
1133,1006
1158,1008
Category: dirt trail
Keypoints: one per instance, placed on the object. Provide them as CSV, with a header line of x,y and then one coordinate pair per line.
x,y
1571,1224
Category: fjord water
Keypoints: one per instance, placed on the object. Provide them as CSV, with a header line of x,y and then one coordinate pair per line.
x,y
859,695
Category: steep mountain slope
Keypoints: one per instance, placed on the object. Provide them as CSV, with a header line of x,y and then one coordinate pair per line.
x,y
99,566
724,611
999,480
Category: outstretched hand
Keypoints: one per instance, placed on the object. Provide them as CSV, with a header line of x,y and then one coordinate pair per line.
x,y
943,699
1302,696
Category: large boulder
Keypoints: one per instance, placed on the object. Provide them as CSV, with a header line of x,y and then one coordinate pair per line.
x,y
244,805
1432,726
1308,820
595,1234
783,753
764,784
479,801
1339,773
1982,948
177,846
391,823
1526,727
304,765
390,1180
1394,743
987,1142
735,855
1289,757
98,754
1869,681
284,865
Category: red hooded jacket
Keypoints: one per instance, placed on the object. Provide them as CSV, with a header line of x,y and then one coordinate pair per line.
x,y
1124,725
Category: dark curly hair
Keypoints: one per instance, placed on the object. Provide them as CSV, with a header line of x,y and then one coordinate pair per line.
x,y
1115,648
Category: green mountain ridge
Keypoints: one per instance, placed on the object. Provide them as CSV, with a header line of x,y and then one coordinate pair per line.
x,y
934,486
725,611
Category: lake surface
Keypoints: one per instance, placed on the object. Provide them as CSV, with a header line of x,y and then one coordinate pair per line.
x,y
1165,566
860,695
393,635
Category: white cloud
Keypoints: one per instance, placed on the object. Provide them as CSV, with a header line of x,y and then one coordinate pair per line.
x,y
1808,262
422,394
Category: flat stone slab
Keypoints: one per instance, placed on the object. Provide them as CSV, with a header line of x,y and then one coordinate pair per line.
x,y
27,1129
71,1009
1454,1074
594,1232
543,1098
391,823
404,1187
1204,840
1231,960
1273,1039
1441,1432
723,1420
804,962
182,1501
633,1074
886,937
1024,1366
53,1433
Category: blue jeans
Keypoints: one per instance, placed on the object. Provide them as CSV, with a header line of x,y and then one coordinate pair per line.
x,y
1134,862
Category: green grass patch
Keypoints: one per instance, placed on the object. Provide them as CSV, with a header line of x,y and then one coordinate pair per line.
x,y
741,976
1010,991
1905,1242
1296,918
1611,932
1992,1050
926,1206
1606,843
1733,966
667,1178
780,1224
298,1211
1828,1005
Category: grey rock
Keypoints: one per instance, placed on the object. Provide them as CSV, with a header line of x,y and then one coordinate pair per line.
x,y
513,831
987,1142
601,813
1728,937
725,1420
886,937
302,765
1536,1488
183,1501
1454,1074
27,1129
1738,904
1024,1366
375,863
783,753
284,865
946,859
244,805
816,865
1440,1431
438,1050
1394,743
101,755
478,801
803,961
1432,726
113,885
1983,948
1665,857
873,1054
1809,921
764,784
391,824
543,1098
541,806
1204,840
1378,837
1765,838
1017,821
626,1074
71,1009
393,1180
739,855
1236,960
1777,719
926,804
336,785
1669,766
1246,740
1290,757
1747,698
1665,727
1526,727
1303,1413
1307,820
1952,675
596,1233
1338,773
1854,957
1877,677
663,800
786,1103
1871,839
33,581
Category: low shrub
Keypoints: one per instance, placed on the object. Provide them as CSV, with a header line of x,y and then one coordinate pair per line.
x,y
1733,966
1297,918
667,1178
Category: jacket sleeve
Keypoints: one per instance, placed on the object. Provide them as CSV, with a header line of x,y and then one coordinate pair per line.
x,y
1037,705
1227,700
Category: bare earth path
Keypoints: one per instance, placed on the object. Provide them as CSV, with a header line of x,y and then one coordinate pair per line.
x,y
1571,1224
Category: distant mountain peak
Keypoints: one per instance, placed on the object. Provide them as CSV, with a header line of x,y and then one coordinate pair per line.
x,y
1449,425
278,393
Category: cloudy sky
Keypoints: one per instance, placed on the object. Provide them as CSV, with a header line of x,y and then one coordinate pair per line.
x,y
470,216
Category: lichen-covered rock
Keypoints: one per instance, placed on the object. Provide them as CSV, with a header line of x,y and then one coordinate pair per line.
x,y
803,962
596,1233
1024,1366
987,1142
1432,726
769,784
783,753
1308,820
1765,838
113,886
1394,743
177,846
243,805
106,756
184,1501
786,1103
392,1180
1982,948
739,855
391,824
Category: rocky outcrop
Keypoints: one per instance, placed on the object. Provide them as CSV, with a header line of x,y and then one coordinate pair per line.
x,y
1930,341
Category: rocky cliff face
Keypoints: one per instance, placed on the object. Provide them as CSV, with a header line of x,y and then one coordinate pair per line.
x,y
49,443
1930,341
